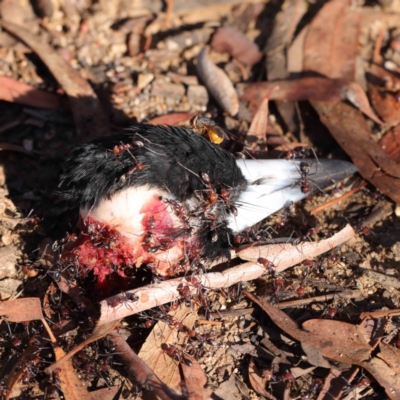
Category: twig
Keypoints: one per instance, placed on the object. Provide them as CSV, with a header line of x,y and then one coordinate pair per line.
x,y
282,255
338,199
346,294
139,372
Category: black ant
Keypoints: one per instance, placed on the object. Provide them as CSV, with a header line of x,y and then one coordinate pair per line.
x,y
293,154
304,182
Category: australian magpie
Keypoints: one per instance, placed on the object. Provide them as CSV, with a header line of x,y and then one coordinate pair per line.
x,y
166,196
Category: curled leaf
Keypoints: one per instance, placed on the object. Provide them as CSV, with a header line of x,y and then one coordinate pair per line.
x,y
236,44
218,83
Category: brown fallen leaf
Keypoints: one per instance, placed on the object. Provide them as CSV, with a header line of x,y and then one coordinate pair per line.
x,y
335,55
385,103
107,393
338,340
391,356
138,372
258,381
276,60
331,44
309,88
71,386
18,92
20,310
390,144
152,354
259,124
351,131
385,376
172,119
230,40
195,380
218,83
89,118
335,382
98,333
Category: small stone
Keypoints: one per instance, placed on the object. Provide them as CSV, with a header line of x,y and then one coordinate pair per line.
x,y
168,90
144,80
397,210
396,251
9,287
198,95
8,259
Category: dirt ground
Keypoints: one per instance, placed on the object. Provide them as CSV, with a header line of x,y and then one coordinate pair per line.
x,y
77,70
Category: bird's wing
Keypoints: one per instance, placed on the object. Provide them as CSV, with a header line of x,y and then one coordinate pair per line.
x,y
272,184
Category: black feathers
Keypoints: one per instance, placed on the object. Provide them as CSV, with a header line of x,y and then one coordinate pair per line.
x,y
171,158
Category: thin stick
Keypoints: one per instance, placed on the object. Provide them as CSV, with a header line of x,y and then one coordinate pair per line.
x,y
283,256
338,199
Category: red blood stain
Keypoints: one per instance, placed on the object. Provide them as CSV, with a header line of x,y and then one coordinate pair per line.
x,y
156,216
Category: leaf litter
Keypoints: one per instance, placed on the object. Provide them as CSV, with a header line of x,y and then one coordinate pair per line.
x,y
142,65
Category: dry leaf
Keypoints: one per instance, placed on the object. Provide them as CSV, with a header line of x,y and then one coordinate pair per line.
x,y
385,376
107,393
89,119
20,310
218,83
259,123
391,356
195,380
309,88
331,44
333,52
138,372
98,332
234,42
172,119
338,340
258,381
151,353
18,92
276,49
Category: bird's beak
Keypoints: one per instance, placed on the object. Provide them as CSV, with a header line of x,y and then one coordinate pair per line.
x,y
272,184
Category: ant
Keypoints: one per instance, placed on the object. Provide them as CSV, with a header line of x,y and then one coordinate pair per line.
x,y
175,354
227,200
123,298
268,265
212,196
314,389
279,284
300,153
120,148
185,292
304,182
60,244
